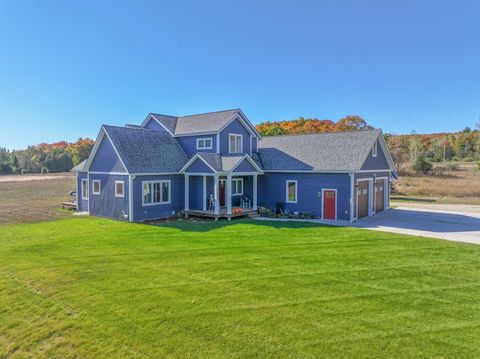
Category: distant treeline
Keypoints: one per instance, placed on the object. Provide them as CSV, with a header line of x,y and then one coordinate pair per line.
x,y
56,157
413,149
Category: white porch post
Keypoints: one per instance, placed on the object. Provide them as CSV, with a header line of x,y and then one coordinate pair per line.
x,y
254,206
204,206
187,193
216,194
228,189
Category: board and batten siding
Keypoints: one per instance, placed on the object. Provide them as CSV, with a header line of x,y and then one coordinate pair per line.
x,y
106,204
272,189
161,210
234,127
106,159
376,163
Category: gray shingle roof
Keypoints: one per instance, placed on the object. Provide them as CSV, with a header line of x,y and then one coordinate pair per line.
x,y
330,152
146,151
202,123
80,167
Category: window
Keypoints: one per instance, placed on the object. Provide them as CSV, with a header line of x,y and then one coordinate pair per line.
x,y
237,186
120,189
291,191
96,187
156,192
374,149
235,143
204,143
84,189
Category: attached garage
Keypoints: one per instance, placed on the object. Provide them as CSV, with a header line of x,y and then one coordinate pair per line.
x,y
362,198
380,191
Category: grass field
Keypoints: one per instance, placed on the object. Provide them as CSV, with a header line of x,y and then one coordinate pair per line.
x,y
89,287
460,186
34,198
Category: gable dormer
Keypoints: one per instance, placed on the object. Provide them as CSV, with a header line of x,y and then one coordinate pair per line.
x,y
224,132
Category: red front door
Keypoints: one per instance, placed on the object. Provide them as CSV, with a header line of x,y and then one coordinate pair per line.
x,y
222,193
329,200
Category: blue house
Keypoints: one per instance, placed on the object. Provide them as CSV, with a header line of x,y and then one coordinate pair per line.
x,y
215,162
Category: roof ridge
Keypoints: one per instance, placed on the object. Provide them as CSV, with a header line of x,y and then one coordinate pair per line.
x,y
136,129
207,113
322,133
162,114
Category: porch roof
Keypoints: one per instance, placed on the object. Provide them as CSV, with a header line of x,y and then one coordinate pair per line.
x,y
217,163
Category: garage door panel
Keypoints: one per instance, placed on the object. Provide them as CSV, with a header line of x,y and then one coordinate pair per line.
x,y
362,198
379,195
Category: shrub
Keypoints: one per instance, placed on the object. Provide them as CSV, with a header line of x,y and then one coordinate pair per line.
x,y
44,170
478,166
421,165
266,212
452,166
23,171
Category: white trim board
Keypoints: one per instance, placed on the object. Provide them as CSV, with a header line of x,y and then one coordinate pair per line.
x,y
286,190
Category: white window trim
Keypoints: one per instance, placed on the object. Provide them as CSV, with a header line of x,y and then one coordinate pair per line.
x,y
157,203
374,149
237,180
99,187
286,191
230,135
122,195
205,147
85,195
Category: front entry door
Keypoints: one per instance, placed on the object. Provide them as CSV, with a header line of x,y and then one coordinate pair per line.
x,y
329,204
222,192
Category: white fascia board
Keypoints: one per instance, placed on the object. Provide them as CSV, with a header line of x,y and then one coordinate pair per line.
x,y
250,160
193,159
150,116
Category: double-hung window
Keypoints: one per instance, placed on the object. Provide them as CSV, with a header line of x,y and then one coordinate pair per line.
x,y
120,189
156,192
235,143
237,186
84,189
96,187
291,191
204,143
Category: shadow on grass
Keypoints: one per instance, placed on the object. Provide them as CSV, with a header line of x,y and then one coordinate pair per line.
x,y
206,225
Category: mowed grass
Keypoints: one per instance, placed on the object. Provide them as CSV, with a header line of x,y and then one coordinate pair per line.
x,y
87,287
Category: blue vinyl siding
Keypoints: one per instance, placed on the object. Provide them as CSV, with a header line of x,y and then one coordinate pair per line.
x,y
198,166
106,159
82,204
247,190
141,213
189,144
196,192
254,144
106,204
245,166
272,189
235,127
376,163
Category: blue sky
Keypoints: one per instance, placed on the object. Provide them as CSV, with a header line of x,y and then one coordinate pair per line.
x,y
66,67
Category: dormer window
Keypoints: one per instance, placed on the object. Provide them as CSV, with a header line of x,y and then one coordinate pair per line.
x,y
235,143
204,143
374,149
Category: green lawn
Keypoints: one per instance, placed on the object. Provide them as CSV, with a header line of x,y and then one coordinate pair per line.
x,y
90,287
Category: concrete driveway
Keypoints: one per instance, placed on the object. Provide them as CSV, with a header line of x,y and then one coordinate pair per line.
x,y
455,223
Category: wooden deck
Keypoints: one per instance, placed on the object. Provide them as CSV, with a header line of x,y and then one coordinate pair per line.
x,y
222,214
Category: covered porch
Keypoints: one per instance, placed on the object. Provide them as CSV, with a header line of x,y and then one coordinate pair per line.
x,y
221,186
221,195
